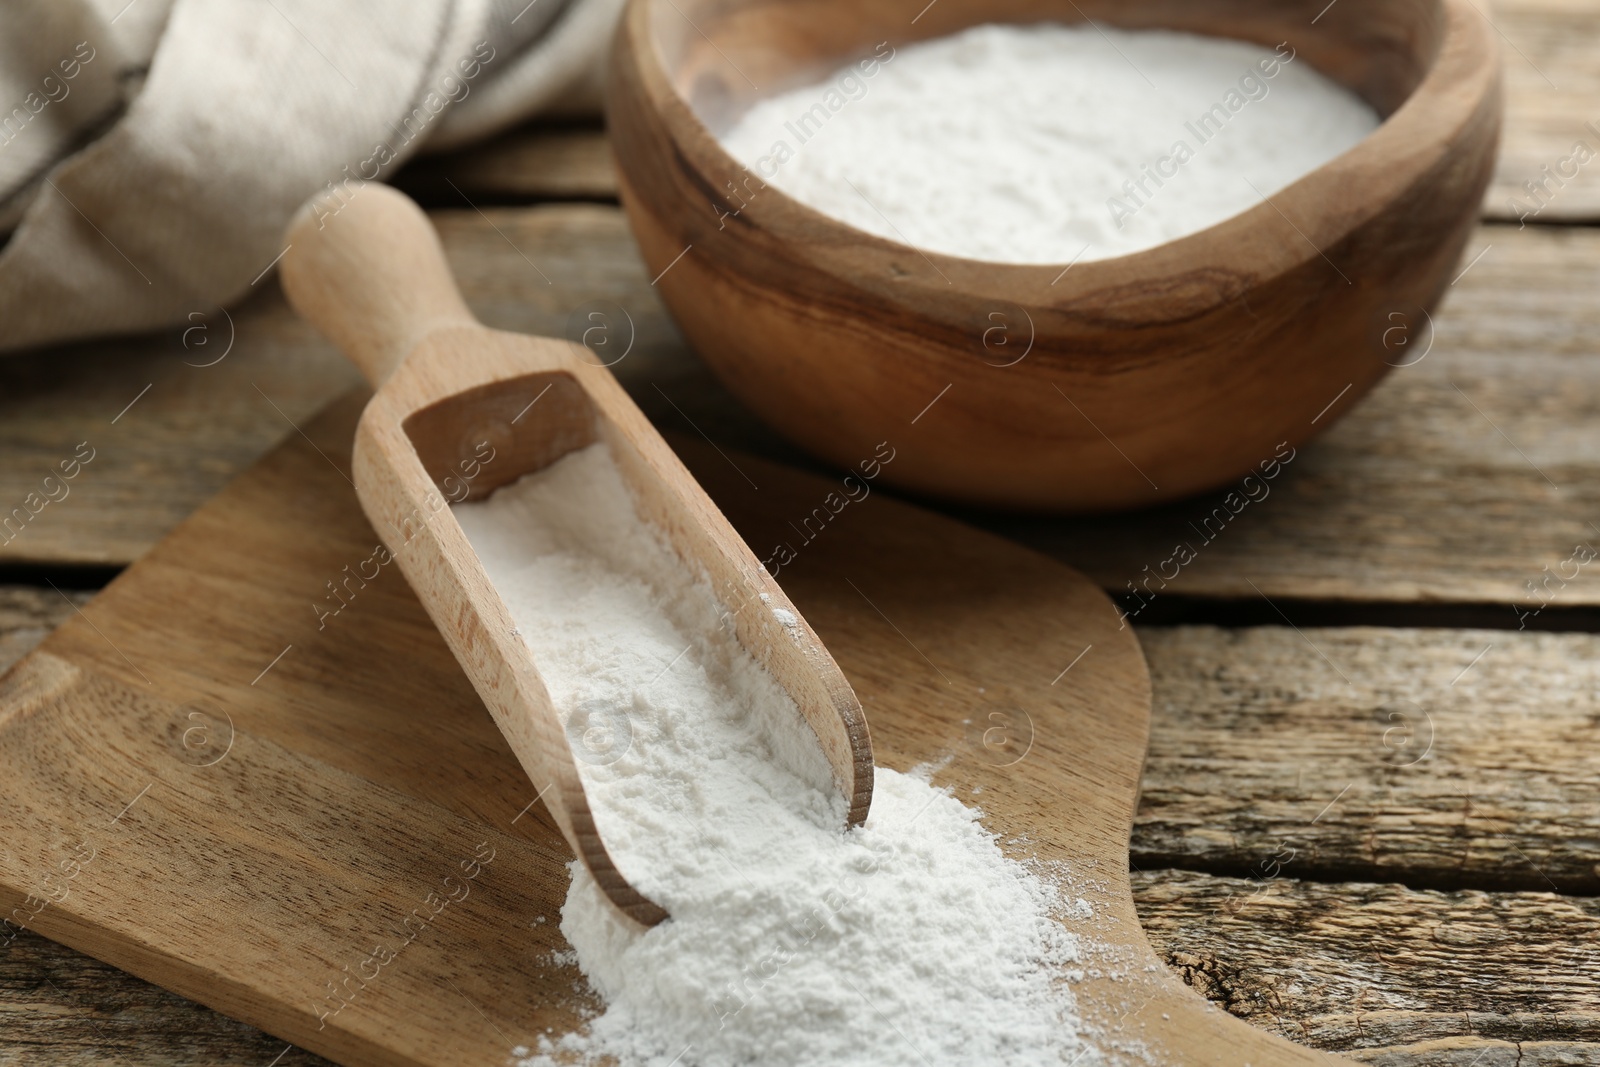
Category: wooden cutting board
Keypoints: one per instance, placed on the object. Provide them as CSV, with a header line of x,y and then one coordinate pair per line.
x,y
304,817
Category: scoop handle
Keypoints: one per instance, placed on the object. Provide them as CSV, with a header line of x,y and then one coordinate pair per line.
x,y
367,270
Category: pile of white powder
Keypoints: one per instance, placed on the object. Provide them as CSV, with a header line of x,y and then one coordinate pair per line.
x,y
1047,143
911,940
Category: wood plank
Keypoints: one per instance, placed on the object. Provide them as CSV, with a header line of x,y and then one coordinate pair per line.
x,y
61,1007
1433,489
1437,758
1392,976
162,429
28,614
1552,95
534,162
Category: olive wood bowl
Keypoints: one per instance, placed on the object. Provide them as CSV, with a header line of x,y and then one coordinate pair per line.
x,y
1120,383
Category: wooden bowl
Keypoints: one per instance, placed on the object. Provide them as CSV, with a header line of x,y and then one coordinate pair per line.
x,y
1121,383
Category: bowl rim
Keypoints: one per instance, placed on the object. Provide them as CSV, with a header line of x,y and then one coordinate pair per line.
x,y
1407,144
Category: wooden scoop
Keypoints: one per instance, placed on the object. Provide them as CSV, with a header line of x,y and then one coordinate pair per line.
x,y
461,410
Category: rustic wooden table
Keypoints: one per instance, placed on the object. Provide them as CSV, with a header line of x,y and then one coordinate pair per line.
x,y
1371,813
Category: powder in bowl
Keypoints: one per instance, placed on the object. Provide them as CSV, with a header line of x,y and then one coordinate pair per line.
x,y
1049,143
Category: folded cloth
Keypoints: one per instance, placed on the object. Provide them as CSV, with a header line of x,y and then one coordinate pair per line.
x,y
152,151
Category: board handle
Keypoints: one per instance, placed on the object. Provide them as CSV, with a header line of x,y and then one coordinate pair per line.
x,y
367,270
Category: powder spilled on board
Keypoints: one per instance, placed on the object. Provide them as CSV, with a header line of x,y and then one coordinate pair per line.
x,y
911,940
1048,143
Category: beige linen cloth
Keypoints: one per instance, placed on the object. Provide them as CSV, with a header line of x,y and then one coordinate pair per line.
x,y
152,151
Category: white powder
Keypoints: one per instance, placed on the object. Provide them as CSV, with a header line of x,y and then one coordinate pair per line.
x,y
911,940
1048,143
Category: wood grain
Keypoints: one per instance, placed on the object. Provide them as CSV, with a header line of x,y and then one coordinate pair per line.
x,y
1437,758
169,418
1394,976
28,614
1552,88
60,1007
531,163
